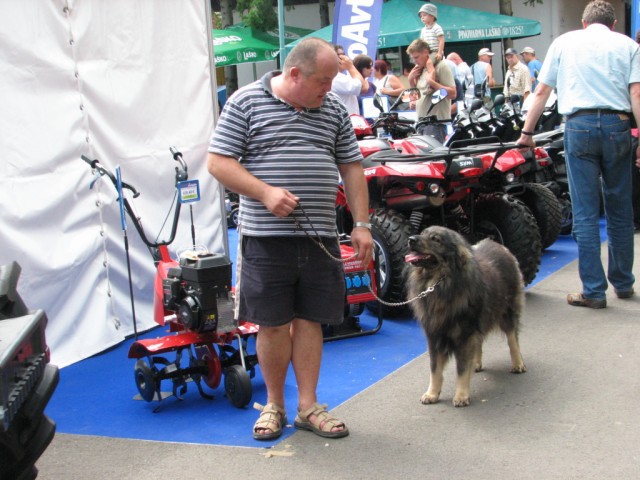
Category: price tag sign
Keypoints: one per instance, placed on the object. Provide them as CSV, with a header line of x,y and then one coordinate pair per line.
x,y
189,191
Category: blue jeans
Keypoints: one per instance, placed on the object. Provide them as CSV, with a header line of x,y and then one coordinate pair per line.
x,y
599,145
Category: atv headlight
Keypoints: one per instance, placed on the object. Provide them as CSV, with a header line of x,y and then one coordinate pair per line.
x,y
510,177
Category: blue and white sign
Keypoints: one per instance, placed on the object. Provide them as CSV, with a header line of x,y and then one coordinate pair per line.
x,y
189,191
356,25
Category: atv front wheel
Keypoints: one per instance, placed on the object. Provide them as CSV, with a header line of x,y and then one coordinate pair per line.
x,y
508,221
391,232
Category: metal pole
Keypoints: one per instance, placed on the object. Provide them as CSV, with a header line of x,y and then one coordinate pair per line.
x,y
123,223
283,53
214,95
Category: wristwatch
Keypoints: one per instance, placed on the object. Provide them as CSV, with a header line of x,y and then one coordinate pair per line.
x,y
363,225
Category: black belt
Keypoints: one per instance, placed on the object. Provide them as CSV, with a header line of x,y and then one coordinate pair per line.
x,y
596,111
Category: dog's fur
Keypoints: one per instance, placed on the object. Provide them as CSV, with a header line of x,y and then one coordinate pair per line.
x,y
479,289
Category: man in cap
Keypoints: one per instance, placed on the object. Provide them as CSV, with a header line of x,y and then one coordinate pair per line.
x,y
482,70
432,33
534,65
517,80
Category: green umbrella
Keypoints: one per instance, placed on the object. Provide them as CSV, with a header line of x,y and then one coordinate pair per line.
x,y
238,45
400,24
242,44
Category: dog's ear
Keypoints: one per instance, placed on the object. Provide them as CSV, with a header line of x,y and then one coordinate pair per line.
x,y
463,256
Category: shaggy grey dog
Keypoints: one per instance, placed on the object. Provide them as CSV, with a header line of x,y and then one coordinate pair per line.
x,y
478,289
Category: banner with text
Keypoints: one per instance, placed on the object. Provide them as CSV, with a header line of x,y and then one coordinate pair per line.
x,y
356,25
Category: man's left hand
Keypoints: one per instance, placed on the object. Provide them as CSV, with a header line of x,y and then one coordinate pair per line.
x,y
362,243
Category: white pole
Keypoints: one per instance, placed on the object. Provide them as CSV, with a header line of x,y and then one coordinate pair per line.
x,y
283,53
214,95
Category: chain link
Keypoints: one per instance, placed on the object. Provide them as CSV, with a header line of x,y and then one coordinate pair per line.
x,y
422,294
318,242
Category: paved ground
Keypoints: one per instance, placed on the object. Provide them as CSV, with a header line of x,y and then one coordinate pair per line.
x,y
574,414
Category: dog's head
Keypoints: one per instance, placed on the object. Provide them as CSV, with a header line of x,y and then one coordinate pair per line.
x,y
438,249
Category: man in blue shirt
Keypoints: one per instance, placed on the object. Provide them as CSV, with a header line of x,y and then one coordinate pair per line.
x,y
596,72
529,58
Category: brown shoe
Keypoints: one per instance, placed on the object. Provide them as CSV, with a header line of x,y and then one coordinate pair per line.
x,y
624,293
579,300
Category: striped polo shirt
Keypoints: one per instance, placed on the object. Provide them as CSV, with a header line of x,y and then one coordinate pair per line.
x,y
287,148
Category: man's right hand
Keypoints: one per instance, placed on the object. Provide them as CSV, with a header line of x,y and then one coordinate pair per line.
x,y
345,62
279,201
414,75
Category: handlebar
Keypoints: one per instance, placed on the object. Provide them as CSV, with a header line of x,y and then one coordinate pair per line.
x,y
181,174
391,118
95,164
405,121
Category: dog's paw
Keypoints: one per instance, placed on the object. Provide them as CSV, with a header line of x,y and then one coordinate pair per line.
x,y
478,367
519,368
461,401
428,398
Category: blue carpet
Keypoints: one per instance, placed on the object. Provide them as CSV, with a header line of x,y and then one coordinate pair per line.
x,y
95,396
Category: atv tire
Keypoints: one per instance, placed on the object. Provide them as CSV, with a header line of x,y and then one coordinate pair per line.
x,y
508,221
391,232
547,211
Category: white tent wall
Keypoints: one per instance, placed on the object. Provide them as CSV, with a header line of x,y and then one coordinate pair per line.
x,y
119,81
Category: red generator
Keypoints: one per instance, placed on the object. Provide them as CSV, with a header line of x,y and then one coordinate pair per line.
x,y
361,289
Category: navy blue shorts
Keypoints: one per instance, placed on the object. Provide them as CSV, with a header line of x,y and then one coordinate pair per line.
x,y
282,278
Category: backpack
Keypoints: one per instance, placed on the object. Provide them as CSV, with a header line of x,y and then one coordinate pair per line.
x,y
459,90
477,90
477,87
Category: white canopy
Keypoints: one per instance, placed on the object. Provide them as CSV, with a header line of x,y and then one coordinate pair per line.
x,y
119,81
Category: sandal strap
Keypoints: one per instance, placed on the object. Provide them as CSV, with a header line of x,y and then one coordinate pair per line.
x,y
325,421
271,417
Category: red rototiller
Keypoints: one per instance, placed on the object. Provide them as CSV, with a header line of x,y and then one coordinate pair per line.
x,y
193,296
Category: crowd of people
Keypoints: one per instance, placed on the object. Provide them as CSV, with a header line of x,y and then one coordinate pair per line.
x,y
284,142
468,82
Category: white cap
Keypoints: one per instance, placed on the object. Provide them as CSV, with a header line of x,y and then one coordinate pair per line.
x,y
485,51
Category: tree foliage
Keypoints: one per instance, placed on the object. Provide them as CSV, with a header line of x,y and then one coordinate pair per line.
x,y
258,14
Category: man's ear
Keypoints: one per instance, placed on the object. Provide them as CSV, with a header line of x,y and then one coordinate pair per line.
x,y
295,73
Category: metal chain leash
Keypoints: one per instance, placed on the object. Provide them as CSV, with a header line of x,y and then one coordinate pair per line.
x,y
422,294
318,242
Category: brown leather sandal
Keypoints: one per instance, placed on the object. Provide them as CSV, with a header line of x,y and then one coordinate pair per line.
x,y
272,417
325,423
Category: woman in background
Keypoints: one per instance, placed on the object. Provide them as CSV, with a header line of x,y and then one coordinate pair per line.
x,y
364,64
387,83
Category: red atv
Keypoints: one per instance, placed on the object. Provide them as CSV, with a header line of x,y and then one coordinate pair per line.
x,y
523,173
408,193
